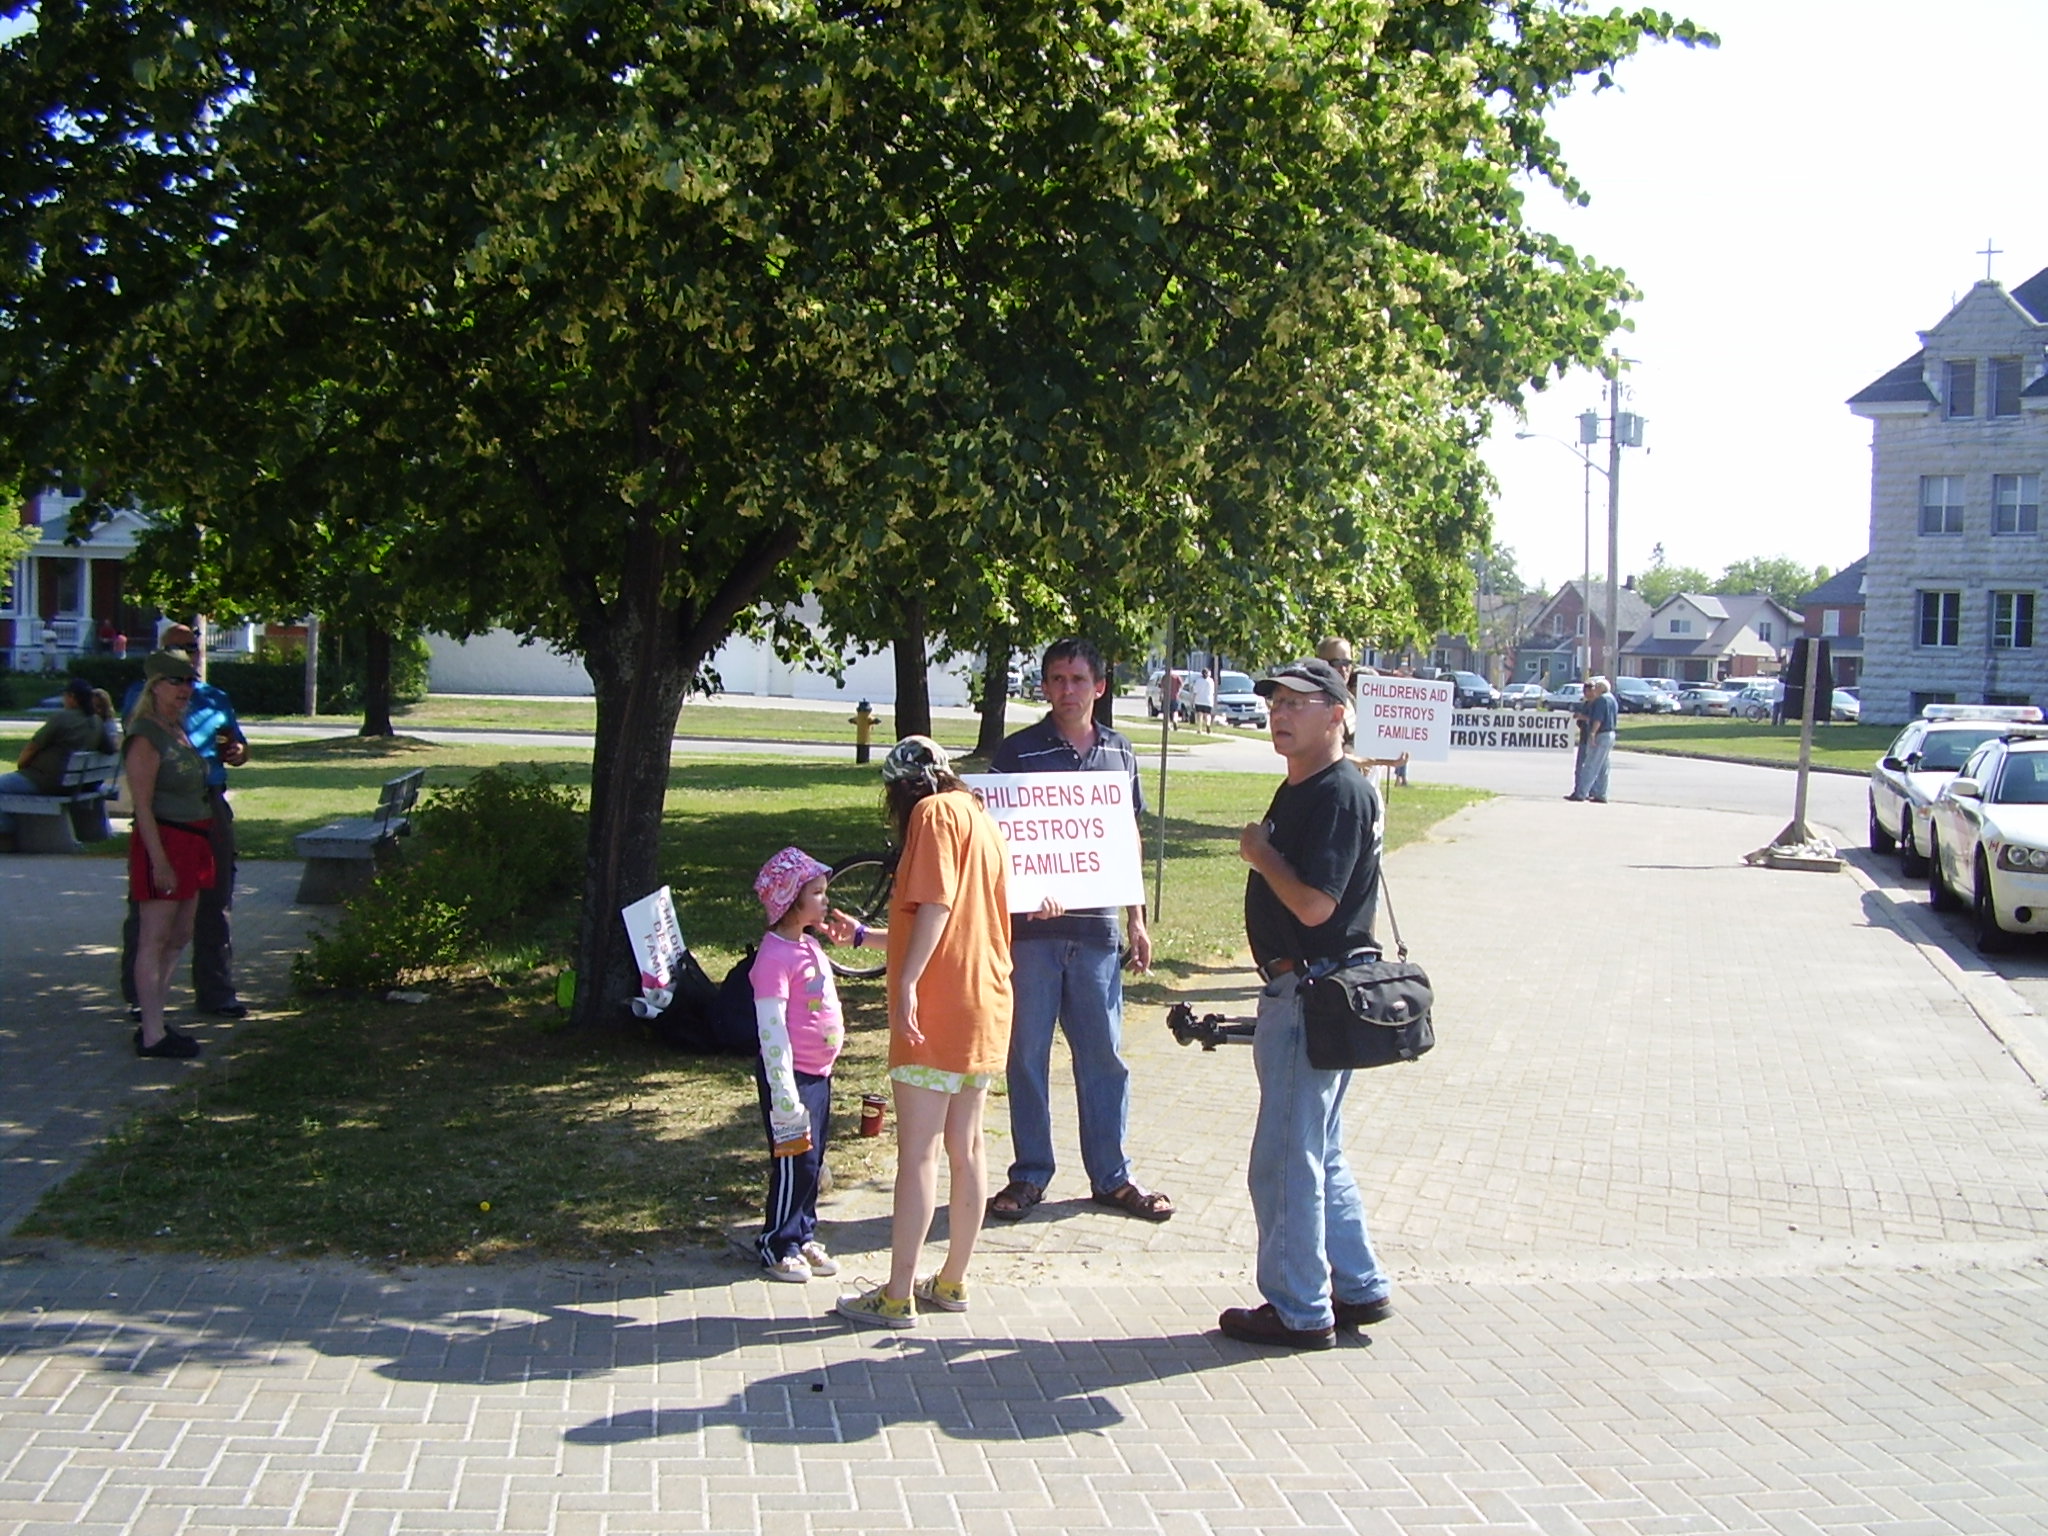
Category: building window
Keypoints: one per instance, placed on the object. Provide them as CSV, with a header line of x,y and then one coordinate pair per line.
x,y
1830,623
1763,631
11,582
2012,621
1581,630
1920,701
2015,503
1941,619
2008,698
1941,504
1681,626
2004,379
1962,389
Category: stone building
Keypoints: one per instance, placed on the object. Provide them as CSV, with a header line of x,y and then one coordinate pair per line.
x,y
1959,442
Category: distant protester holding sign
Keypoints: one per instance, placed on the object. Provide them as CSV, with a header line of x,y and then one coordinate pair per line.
x,y
1068,971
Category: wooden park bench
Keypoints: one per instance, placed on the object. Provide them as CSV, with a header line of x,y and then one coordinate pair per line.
x,y
342,856
76,814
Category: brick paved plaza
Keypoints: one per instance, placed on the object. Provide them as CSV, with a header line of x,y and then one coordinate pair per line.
x,y
1728,1215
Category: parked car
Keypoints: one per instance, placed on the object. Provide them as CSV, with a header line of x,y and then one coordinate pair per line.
x,y
1522,696
1236,704
1471,691
1155,694
1670,685
1987,839
1923,758
1758,700
1564,696
1846,705
1705,699
1638,696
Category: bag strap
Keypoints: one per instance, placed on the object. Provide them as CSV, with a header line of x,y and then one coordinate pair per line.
x,y
1387,900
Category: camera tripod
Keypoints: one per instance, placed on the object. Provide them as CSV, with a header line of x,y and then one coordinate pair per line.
x,y
1212,1029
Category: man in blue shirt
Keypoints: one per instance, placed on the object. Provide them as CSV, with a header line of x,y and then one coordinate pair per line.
x,y
1067,971
217,736
1600,712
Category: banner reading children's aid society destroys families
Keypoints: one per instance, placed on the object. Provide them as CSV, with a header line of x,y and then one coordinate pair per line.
x,y
1070,836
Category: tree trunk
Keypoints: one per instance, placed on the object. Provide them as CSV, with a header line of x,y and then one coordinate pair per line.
x,y
913,688
642,651
640,677
995,693
376,682
1105,707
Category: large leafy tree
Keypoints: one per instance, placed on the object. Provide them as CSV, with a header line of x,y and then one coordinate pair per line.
x,y
1778,576
670,309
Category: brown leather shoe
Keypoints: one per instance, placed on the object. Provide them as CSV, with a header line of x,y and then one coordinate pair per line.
x,y
1262,1325
1363,1314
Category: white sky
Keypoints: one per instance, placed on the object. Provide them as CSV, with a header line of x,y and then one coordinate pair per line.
x,y
1795,206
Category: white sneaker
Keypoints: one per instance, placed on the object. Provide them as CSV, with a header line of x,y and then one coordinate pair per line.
x,y
821,1262
790,1267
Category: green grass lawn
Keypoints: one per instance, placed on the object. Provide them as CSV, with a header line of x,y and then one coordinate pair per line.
x,y
478,1127
1850,747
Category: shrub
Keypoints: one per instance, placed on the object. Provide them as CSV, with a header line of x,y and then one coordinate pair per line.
x,y
498,850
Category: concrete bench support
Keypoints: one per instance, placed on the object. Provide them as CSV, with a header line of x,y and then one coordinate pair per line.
x,y
76,814
343,856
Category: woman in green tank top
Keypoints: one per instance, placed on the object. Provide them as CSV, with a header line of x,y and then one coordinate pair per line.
x,y
170,857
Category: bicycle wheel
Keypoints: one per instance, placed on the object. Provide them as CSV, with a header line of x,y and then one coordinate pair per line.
x,y
860,888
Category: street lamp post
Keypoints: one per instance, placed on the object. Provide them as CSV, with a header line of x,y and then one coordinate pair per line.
x,y
1589,433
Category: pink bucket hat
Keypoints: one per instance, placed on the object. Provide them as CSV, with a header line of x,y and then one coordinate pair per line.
x,y
782,877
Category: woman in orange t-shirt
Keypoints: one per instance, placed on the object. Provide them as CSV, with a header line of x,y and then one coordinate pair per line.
x,y
949,1021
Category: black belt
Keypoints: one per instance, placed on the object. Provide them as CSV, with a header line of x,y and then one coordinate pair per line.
x,y
1286,965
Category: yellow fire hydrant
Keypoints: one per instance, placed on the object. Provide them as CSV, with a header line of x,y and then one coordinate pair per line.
x,y
863,721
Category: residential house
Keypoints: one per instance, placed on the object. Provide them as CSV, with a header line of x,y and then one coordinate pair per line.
x,y
1700,637
1568,637
62,600
1959,443
1834,612
1491,650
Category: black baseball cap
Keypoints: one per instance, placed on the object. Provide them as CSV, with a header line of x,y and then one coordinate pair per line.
x,y
1313,675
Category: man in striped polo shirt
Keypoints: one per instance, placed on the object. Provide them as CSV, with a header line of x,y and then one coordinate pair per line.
x,y
1067,969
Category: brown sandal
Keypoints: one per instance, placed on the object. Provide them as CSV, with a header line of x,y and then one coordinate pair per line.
x,y
1014,1200
1146,1205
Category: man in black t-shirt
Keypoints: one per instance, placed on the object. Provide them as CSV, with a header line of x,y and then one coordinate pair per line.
x,y
1308,907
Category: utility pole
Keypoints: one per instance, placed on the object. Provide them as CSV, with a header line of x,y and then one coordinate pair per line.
x,y
1614,442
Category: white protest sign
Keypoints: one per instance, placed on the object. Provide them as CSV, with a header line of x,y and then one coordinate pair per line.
x,y
1513,730
1404,714
658,947
1070,836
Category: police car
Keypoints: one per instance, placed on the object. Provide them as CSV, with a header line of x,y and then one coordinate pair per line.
x,y
1926,755
1987,838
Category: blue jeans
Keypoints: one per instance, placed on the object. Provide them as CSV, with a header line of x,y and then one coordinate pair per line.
x,y
1593,764
1312,1237
1077,984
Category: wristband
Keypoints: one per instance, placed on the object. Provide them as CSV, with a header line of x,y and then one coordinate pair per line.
x,y
860,934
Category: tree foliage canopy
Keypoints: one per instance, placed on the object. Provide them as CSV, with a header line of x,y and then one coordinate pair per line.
x,y
611,319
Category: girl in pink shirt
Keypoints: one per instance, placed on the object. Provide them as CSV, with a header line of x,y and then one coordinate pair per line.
x,y
797,1015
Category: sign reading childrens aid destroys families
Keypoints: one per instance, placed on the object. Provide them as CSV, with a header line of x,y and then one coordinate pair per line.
x,y
1070,836
1404,714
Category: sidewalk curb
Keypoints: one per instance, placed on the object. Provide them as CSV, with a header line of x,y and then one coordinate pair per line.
x,y
2011,1019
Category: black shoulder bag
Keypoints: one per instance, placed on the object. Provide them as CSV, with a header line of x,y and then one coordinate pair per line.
x,y
1370,1013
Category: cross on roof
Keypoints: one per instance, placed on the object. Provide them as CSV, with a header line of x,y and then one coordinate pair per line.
x,y
1987,253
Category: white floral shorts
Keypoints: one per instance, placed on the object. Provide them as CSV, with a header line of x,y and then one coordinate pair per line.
x,y
942,1081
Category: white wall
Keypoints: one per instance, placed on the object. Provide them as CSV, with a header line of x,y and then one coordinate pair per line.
x,y
498,663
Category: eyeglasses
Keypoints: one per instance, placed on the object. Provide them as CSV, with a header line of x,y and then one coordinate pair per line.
x,y
1294,702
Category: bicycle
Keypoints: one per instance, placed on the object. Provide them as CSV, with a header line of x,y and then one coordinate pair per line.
x,y
860,886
